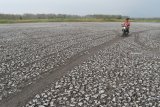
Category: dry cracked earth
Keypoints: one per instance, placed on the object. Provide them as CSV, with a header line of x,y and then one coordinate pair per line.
x,y
79,65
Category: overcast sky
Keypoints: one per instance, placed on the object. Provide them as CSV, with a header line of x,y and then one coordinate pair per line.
x,y
133,8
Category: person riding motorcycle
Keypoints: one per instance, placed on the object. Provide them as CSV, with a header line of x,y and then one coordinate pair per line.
x,y
126,24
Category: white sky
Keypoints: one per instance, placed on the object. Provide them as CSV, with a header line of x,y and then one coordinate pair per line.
x,y
133,8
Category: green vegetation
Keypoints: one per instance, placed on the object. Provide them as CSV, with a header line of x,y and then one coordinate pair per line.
x,y
59,20
28,18
146,20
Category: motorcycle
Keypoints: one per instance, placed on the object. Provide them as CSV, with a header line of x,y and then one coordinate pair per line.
x,y
125,31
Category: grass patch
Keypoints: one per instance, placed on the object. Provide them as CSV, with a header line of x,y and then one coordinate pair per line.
x,y
147,20
5,21
8,21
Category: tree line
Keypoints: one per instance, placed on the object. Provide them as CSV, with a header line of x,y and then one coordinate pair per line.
x,y
52,16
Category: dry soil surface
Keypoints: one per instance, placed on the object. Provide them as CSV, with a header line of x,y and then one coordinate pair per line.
x,y
79,65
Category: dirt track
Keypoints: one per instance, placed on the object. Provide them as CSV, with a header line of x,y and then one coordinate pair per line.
x,y
75,64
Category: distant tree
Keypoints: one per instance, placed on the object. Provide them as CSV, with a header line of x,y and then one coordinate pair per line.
x,y
52,16
20,17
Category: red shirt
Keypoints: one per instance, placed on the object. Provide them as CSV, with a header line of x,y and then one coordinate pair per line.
x,y
126,24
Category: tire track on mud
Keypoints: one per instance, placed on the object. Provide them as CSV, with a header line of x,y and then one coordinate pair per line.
x,y
43,47
138,44
39,48
38,86
143,46
54,54
18,99
26,66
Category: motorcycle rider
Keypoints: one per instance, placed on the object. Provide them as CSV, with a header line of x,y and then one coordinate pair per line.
x,y
127,24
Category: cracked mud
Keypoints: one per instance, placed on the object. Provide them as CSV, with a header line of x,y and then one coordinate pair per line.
x,y
79,65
